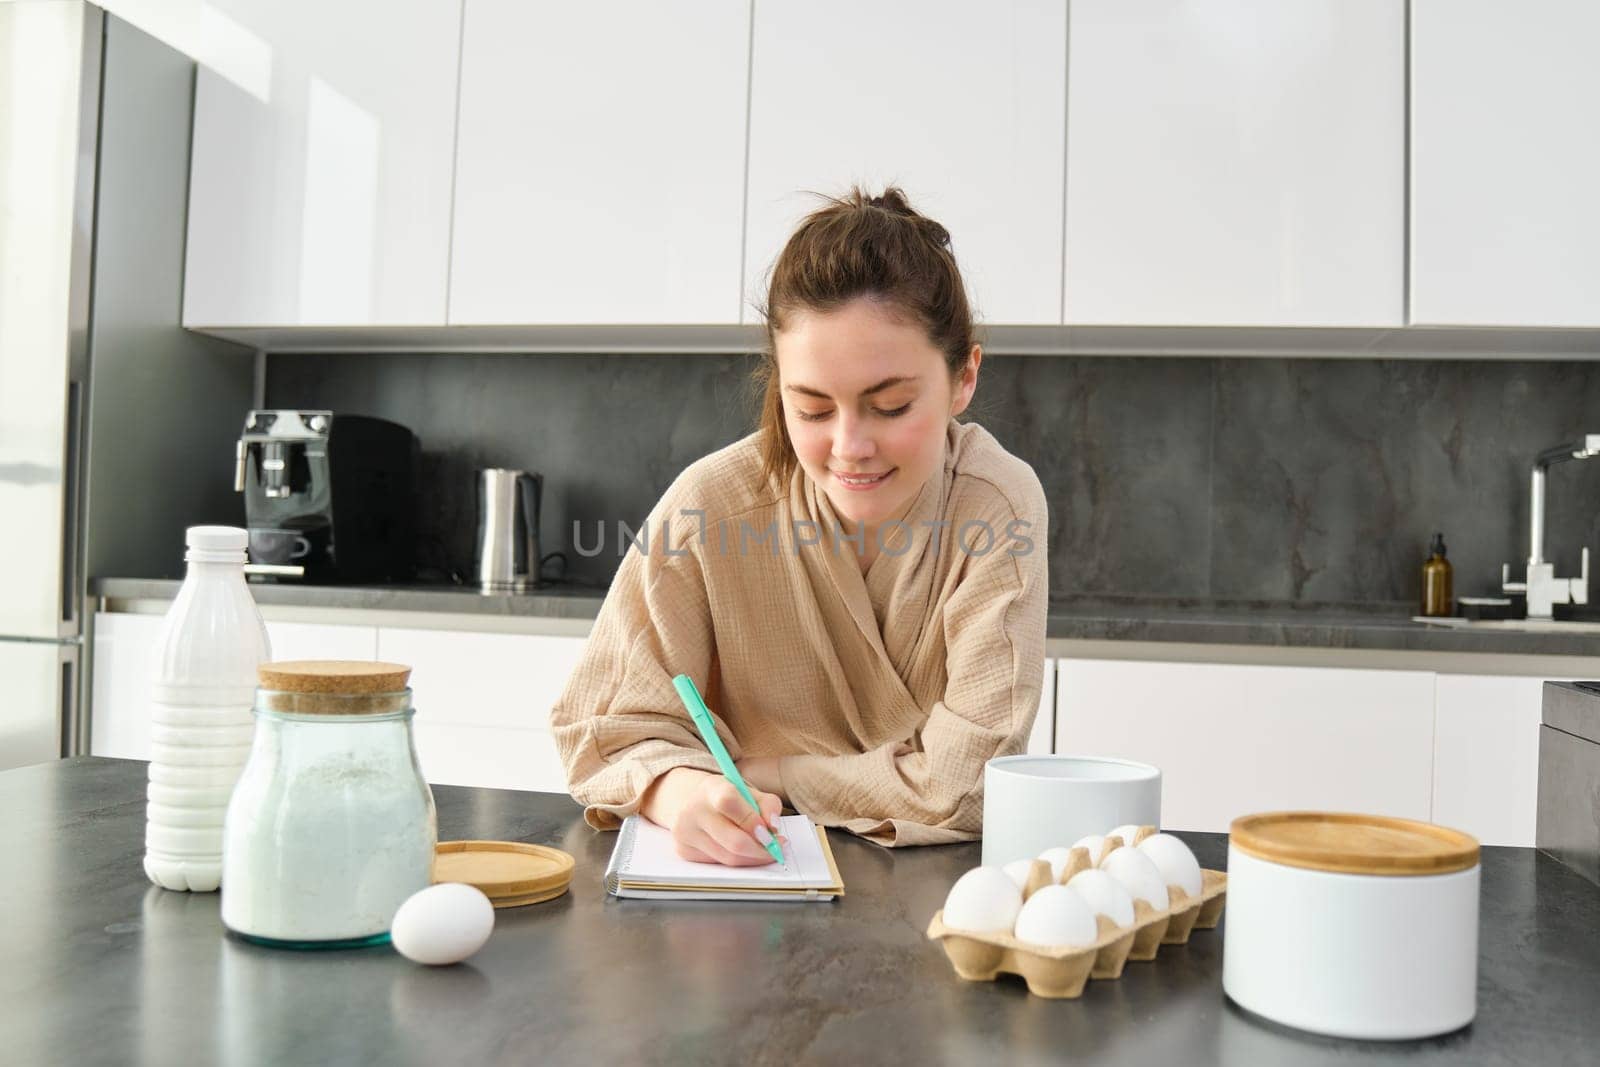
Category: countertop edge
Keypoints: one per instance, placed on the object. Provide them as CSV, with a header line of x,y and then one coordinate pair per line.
x,y
571,607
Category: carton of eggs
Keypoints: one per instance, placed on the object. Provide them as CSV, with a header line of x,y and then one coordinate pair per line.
x,y
1078,912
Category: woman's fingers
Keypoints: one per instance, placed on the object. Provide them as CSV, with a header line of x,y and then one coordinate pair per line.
x,y
771,808
735,839
720,826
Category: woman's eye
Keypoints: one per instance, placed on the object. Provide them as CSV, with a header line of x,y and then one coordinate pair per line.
x,y
812,416
897,412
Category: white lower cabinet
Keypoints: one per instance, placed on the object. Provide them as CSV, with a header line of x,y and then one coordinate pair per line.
x,y
1234,739
304,640
1042,739
1486,756
124,656
1456,749
119,699
483,704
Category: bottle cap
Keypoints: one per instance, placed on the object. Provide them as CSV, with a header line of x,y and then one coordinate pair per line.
x,y
1437,548
215,544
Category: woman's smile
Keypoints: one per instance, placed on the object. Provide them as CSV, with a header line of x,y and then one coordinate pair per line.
x,y
862,482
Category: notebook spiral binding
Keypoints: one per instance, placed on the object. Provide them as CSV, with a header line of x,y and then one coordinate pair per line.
x,y
620,857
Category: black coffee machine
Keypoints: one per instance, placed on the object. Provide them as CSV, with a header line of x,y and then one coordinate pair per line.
x,y
328,498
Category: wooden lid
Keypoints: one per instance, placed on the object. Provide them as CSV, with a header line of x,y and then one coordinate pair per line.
x,y
510,873
333,676
1353,844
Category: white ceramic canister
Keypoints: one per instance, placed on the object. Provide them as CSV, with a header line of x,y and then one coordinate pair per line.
x,y
331,827
1358,926
1031,803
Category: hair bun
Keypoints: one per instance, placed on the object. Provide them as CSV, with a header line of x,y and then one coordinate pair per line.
x,y
893,200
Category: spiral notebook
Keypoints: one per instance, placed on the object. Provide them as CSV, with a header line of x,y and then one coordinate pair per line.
x,y
645,864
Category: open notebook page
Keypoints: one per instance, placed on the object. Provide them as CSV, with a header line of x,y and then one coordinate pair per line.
x,y
654,860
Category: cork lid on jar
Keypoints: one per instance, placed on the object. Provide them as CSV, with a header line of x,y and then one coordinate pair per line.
x,y
1353,844
334,687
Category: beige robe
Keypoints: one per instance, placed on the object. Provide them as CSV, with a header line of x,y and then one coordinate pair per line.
x,y
884,693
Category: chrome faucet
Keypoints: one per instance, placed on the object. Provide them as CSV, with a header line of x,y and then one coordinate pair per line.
x,y
1542,586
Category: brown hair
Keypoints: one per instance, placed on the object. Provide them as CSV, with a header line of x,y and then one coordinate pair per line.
x,y
854,246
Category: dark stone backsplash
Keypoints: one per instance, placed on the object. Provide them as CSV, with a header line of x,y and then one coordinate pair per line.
x,y
1302,480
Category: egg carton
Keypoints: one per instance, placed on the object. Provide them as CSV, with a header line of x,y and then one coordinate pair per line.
x,y
1063,972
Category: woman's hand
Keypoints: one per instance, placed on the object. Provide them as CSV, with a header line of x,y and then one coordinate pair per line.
x,y
709,820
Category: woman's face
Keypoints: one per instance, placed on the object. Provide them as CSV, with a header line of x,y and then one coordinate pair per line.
x,y
866,398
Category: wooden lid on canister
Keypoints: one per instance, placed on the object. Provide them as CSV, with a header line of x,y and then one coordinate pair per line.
x,y
334,686
1353,844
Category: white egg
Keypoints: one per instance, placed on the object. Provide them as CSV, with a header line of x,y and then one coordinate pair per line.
x,y
1056,916
1057,859
984,900
1125,832
1139,875
442,924
1095,843
1017,871
1177,864
1104,895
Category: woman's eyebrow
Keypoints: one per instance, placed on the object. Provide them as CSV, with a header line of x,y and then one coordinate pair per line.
x,y
880,387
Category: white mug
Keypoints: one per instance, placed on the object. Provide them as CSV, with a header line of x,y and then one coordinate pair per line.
x,y
1031,803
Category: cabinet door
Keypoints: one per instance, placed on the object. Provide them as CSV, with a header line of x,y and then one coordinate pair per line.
x,y
124,656
319,189
1504,217
483,704
1042,740
1236,163
1486,756
1231,740
119,706
959,103
600,165
300,640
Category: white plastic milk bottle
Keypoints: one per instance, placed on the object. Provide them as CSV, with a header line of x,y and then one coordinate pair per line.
x,y
204,682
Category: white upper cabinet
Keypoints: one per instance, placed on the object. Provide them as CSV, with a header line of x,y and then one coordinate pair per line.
x,y
1505,219
320,184
960,103
600,167
1236,162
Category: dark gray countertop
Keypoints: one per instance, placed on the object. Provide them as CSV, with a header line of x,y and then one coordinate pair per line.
x,y
101,967
1377,627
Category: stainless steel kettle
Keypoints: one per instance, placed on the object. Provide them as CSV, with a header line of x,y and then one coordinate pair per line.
x,y
508,529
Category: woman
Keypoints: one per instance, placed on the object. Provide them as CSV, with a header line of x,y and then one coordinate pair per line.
x,y
858,588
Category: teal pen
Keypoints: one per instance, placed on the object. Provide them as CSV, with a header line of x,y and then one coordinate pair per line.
x,y
708,730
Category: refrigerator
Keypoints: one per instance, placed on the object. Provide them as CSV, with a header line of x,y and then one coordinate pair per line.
x,y
116,425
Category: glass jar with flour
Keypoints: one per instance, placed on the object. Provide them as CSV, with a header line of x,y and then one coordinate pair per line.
x,y
331,826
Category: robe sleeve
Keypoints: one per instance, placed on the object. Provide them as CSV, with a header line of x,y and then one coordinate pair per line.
x,y
619,724
927,789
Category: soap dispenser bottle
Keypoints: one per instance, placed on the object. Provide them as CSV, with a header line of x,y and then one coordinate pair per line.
x,y
1436,594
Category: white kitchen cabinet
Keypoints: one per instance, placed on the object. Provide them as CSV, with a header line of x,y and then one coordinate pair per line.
x,y
303,640
1486,756
320,179
119,704
1042,740
1235,739
1505,99
600,164
124,656
961,104
483,704
1236,163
